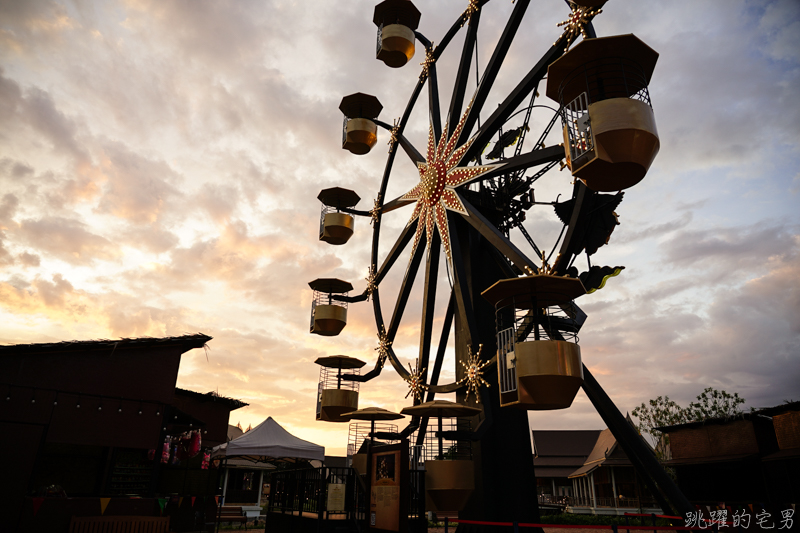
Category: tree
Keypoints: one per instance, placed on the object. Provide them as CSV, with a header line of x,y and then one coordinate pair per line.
x,y
714,403
658,412
662,411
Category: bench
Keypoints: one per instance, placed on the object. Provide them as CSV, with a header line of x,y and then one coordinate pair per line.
x,y
119,524
233,514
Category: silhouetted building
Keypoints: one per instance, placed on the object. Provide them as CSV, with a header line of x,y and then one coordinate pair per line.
x,y
750,458
85,420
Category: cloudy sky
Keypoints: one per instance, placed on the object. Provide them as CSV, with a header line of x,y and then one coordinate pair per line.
x,y
160,161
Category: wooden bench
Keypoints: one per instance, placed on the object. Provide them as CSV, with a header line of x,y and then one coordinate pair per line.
x,y
119,524
233,514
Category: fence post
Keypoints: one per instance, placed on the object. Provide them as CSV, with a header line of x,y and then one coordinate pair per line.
x,y
614,526
627,521
516,526
654,521
446,521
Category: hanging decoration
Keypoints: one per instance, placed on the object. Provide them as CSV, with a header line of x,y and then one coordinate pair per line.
x,y
195,443
175,460
165,451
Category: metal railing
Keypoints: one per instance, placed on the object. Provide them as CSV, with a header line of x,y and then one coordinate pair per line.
x,y
330,378
575,117
359,433
529,321
588,501
453,445
506,370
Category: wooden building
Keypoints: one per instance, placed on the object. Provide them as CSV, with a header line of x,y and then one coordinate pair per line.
x,y
83,425
607,483
588,472
556,455
752,457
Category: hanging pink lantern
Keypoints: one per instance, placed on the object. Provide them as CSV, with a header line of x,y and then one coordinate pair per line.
x,y
194,445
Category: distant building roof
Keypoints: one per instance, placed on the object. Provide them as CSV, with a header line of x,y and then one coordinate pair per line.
x,y
234,431
779,409
558,453
564,442
185,341
605,452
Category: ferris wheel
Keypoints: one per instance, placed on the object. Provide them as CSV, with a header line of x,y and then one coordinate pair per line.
x,y
582,107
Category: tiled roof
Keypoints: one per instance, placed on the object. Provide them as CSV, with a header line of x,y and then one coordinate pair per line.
x,y
563,442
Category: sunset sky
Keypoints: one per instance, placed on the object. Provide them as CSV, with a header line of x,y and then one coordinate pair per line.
x,y
160,162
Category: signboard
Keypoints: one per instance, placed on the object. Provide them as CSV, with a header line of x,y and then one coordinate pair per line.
x,y
389,487
336,492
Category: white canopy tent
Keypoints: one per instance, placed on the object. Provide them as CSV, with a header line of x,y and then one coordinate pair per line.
x,y
267,443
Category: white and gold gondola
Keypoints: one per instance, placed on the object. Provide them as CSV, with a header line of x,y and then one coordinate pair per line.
x,y
449,467
329,307
359,131
538,360
610,135
336,226
334,394
396,21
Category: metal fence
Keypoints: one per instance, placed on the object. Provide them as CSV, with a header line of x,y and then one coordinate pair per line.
x,y
305,491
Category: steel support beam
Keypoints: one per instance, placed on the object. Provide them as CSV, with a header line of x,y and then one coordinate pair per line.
x,y
642,457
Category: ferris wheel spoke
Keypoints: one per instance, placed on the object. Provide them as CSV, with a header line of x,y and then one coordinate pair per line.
x,y
497,239
397,203
409,149
434,111
522,162
575,230
397,249
462,78
492,68
429,301
460,284
405,289
513,100
442,348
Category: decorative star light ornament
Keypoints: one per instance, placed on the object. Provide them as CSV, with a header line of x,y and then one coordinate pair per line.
x,y
439,177
474,372
577,21
383,346
371,285
416,385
